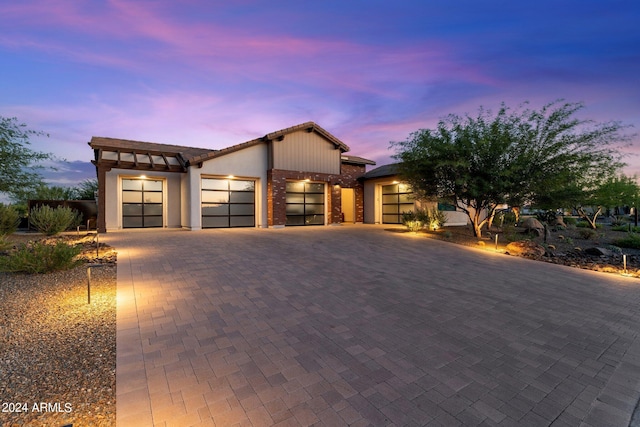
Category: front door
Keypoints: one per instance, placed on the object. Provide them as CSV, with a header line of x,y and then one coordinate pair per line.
x,y
348,204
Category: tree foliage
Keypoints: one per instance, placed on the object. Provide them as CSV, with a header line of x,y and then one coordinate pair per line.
x,y
512,157
18,162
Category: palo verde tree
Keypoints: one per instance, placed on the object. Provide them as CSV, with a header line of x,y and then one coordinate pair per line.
x,y
509,157
592,199
18,163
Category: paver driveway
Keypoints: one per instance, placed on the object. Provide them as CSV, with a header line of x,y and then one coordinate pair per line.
x,y
356,325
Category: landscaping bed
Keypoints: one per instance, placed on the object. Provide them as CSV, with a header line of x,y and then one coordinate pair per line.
x,y
567,247
58,353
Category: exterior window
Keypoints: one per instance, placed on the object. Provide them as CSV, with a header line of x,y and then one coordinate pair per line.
x,y
228,203
396,199
141,203
305,203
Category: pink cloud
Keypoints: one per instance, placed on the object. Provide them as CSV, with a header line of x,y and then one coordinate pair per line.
x,y
229,52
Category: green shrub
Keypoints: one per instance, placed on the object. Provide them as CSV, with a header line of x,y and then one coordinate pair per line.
x,y
631,241
9,219
38,257
626,227
431,219
412,221
587,233
585,224
5,244
570,220
437,218
51,221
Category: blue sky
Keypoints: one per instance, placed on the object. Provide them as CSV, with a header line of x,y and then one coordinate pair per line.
x,y
213,74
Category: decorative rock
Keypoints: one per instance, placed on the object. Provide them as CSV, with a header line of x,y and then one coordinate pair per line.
x,y
533,225
598,251
558,222
525,248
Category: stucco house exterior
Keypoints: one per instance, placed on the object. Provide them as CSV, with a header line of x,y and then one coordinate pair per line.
x,y
292,177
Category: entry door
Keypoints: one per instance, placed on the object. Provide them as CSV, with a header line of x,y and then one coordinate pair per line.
x,y
141,203
348,204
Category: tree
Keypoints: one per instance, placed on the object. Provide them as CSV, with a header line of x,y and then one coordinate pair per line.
x,y
510,157
589,203
18,163
86,189
43,192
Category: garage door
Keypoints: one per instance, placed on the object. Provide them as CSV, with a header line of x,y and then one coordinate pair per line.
x,y
396,198
228,203
141,203
305,203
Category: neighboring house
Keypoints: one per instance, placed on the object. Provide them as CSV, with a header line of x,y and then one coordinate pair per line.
x,y
295,176
387,197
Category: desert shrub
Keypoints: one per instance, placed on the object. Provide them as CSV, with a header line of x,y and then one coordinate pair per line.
x,y
5,244
411,221
632,240
51,221
432,219
618,220
9,219
587,233
436,217
570,220
38,257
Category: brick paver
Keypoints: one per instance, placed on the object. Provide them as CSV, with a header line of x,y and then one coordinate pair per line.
x,y
356,325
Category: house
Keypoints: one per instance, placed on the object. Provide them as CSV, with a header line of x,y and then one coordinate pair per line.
x,y
297,176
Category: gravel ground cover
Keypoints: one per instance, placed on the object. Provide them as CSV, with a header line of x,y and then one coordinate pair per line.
x,y
565,247
58,353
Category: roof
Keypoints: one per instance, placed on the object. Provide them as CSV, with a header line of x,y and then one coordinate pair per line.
x,y
144,147
382,171
309,127
355,160
192,155
273,136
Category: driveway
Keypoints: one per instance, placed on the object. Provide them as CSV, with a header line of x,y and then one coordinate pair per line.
x,y
356,325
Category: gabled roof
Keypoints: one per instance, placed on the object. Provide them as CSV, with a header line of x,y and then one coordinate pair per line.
x,y
309,127
273,136
382,171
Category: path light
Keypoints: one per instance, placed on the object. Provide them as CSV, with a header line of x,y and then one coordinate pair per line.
x,y
624,264
89,280
496,241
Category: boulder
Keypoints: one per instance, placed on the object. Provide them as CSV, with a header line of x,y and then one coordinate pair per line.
x,y
533,225
598,251
525,248
558,222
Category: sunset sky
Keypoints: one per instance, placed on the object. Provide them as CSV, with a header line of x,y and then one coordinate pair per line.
x,y
212,74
